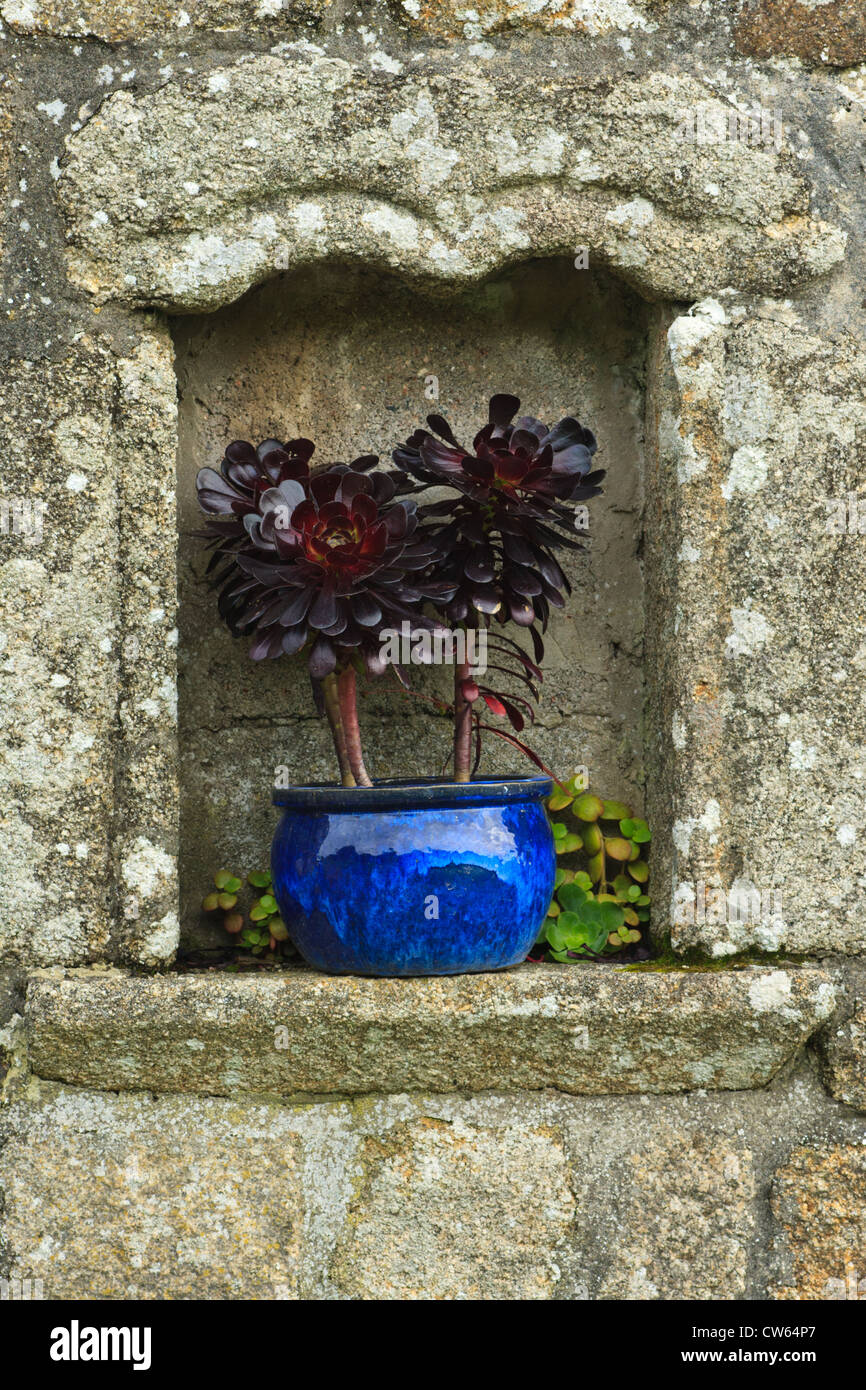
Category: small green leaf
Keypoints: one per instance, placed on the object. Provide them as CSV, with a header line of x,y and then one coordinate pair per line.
x,y
615,810
595,867
227,901
559,828
222,879
260,878
559,800
568,844
278,929
617,848
572,897
592,839
588,807
639,870
268,902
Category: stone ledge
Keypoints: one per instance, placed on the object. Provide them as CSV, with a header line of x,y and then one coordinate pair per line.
x,y
593,1030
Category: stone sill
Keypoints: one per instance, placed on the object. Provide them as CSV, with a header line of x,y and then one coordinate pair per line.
x,y
584,1030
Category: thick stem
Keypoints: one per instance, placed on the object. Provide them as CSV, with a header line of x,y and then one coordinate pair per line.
x,y
462,727
349,714
338,734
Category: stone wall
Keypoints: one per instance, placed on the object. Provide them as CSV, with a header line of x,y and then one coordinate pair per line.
x,y
185,192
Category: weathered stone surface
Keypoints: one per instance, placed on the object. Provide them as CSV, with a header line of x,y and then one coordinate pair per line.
x,y
510,1188
589,1031
59,595
472,19
842,1045
187,196
402,1197
819,1200
86,508
116,21
266,368
5,159
146,807
125,1198
680,1211
826,32
756,661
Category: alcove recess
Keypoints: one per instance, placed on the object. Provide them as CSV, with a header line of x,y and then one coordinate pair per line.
x,y
345,356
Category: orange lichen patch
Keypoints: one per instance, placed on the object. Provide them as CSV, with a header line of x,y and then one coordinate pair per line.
x,y
831,34
453,18
819,1198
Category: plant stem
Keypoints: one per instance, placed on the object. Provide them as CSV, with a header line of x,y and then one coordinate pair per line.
x,y
349,714
462,727
335,720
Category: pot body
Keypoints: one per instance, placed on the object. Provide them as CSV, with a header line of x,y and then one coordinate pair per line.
x,y
414,878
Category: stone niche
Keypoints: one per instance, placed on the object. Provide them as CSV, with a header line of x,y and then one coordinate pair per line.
x,y
316,257
351,358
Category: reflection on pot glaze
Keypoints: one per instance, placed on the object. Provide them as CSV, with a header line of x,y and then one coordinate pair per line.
x,y
422,892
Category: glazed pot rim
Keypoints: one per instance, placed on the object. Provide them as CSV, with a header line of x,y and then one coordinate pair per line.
x,y
412,794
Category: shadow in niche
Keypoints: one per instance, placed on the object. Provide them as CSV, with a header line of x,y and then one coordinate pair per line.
x,y
354,360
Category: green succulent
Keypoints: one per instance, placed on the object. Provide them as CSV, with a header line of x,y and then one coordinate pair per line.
x,y
600,904
262,928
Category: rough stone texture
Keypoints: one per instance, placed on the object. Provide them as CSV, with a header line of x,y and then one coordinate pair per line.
x,y
472,19
819,1199
59,595
440,1197
202,157
178,1205
208,189
687,1239
83,560
842,1045
5,159
116,21
146,800
510,1182
827,32
757,634
589,1031
283,363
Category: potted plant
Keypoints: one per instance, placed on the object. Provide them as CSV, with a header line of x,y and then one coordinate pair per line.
x,y
345,562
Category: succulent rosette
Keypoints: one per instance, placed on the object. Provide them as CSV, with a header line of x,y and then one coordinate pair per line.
x,y
326,559
516,492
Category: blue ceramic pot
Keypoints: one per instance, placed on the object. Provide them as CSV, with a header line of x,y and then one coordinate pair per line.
x,y
414,878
